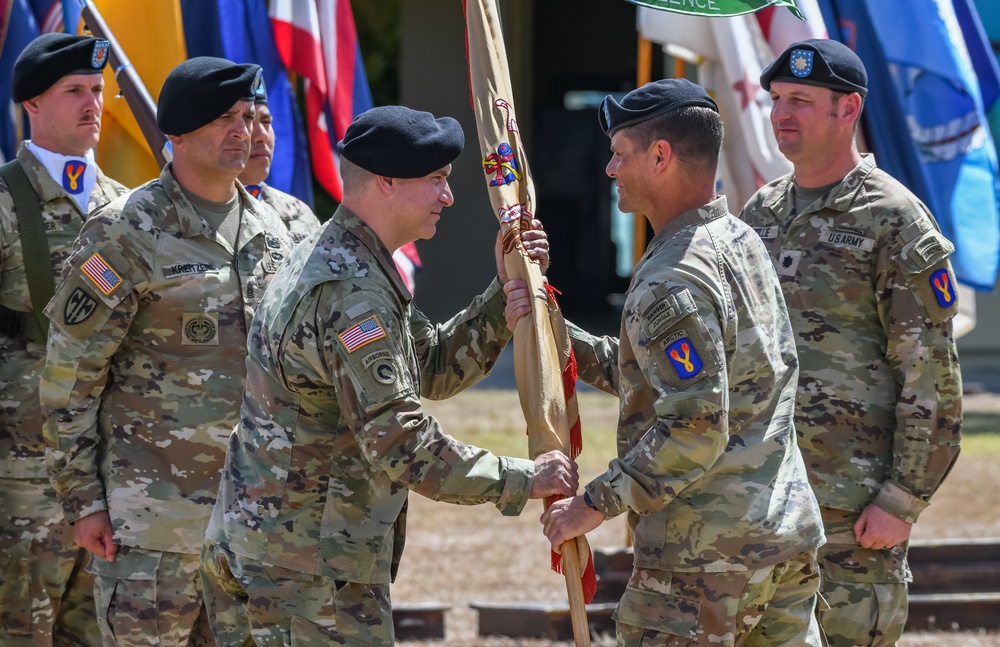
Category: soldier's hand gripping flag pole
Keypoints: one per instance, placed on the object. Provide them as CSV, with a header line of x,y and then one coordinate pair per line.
x,y
543,363
131,86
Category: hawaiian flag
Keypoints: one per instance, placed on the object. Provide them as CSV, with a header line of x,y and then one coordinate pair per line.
x,y
317,40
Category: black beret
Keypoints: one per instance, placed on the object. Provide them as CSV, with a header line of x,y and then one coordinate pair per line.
x,y
201,89
395,141
820,62
651,100
50,57
260,96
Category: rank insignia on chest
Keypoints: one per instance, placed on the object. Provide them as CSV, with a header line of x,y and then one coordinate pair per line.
x,y
72,177
684,357
944,288
362,333
100,273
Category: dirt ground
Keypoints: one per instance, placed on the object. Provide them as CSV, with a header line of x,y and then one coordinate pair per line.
x,y
458,555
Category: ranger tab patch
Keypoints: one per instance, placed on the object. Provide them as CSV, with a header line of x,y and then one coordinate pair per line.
x,y
98,271
362,333
684,357
943,287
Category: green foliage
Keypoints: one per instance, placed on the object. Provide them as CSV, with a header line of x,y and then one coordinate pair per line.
x,y
378,26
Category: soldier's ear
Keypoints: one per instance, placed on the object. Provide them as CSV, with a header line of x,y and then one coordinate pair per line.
x,y
384,183
31,105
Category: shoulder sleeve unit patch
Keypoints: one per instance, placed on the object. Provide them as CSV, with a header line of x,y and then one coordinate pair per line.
x,y
943,287
362,333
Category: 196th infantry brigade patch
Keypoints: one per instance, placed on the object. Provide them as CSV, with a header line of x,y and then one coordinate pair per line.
x,y
98,271
79,307
72,175
943,288
685,359
200,329
361,334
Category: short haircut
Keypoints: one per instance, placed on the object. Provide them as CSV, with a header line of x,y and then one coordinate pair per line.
x,y
835,96
355,178
694,133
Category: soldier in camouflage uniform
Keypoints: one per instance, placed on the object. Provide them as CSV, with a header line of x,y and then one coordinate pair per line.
x,y
297,215
46,596
146,358
723,521
310,519
871,296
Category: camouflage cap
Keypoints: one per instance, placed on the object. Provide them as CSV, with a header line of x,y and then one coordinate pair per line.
x,y
820,62
50,57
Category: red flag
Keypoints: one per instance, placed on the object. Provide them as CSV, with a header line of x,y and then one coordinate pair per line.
x,y
317,40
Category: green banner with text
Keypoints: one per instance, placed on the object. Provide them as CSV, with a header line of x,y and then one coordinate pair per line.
x,y
713,8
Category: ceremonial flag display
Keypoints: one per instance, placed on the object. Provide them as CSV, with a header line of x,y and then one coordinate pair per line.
x,y
123,152
317,40
544,366
926,121
716,8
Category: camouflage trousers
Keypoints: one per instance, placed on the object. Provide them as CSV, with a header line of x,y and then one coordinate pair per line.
x,y
251,603
763,607
46,595
866,590
150,597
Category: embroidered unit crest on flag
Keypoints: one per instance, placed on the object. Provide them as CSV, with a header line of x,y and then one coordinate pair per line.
x,y
943,287
684,357
801,62
362,333
98,271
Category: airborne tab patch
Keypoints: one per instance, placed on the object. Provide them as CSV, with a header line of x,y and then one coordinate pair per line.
x,y
684,357
101,274
362,333
943,287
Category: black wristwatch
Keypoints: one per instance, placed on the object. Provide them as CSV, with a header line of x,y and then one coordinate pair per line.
x,y
589,501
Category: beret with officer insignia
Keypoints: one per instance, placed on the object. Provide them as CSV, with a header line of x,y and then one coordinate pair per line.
x,y
202,89
395,141
50,57
820,62
260,94
651,100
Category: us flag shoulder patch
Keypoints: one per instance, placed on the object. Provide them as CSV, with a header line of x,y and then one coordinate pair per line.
x,y
362,333
98,271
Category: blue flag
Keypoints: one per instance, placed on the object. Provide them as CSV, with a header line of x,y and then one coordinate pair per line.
x,y
245,36
925,120
18,27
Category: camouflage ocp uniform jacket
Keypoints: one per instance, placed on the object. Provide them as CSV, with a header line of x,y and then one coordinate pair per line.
x,y
332,433
871,295
295,213
705,369
146,360
22,449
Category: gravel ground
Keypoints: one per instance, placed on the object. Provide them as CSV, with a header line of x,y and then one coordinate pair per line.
x,y
458,555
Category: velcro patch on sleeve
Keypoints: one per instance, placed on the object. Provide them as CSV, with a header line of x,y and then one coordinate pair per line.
x,y
362,333
677,337
101,274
